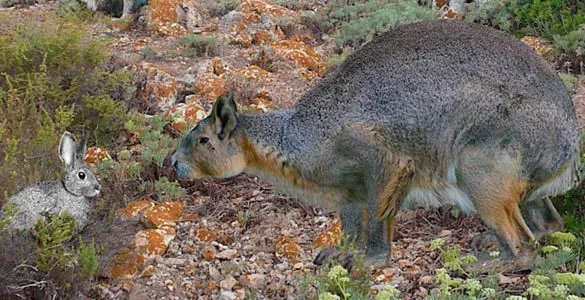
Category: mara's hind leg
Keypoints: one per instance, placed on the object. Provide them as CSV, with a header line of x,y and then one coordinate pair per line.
x,y
496,189
542,217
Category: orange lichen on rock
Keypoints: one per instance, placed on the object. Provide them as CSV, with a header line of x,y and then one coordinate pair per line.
x,y
164,213
96,155
160,85
286,247
126,264
205,234
155,242
253,72
210,86
260,7
136,207
329,237
302,54
162,18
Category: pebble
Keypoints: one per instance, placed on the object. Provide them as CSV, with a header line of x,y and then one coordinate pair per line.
x,y
227,295
228,283
227,254
172,261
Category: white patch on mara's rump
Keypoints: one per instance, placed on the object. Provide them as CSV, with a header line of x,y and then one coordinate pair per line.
x,y
437,197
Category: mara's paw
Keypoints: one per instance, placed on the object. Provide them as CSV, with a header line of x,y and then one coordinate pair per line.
x,y
379,261
512,265
334,255
485,242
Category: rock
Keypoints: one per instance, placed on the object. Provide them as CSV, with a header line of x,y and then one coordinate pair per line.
x,y
230,20
282,266
187,114
173,261
162,18
228,283
208,253
96,155
206,235
227,254
135,208
148,271
160,86
303,55
329,237
286,247
126,265
210,86
227,295
189,16
167,212
214,273
444,233
154,241
254,281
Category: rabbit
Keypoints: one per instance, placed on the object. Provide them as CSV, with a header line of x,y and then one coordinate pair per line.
x,y
71,194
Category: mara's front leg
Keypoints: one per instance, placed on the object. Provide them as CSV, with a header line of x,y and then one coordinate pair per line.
x,y
371,223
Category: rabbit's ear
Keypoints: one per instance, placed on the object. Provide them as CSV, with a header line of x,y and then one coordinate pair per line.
x,y
67,150
81,148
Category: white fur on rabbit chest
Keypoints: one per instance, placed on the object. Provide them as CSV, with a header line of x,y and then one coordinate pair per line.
x,y
47,197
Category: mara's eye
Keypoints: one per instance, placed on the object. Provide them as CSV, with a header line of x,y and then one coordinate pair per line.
x,y
203,140
81,175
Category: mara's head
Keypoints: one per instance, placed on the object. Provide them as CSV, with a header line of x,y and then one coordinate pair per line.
x,y
79,179
213,148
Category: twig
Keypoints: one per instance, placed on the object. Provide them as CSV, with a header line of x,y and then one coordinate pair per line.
x,y
35,284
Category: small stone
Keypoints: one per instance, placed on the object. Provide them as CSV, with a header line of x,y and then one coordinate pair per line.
x,y
255,281
208,253
282,266
298,266
426,280
170,285
228,283
148,271
172,261
444,233
389,272
214,273
227,254
227,295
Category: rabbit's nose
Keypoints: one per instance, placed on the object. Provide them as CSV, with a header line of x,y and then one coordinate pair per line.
x,y
97,187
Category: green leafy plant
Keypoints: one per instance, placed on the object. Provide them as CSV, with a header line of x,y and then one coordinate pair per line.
x,y
359,21
199,45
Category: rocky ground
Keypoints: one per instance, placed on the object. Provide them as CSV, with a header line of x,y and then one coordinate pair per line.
x,y
238,238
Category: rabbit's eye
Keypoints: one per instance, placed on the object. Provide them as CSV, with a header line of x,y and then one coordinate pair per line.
x,y
81,175
203,140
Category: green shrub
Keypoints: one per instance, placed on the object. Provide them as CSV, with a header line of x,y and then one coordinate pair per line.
x,y
542,18
199,45
359,21
494,13
570,50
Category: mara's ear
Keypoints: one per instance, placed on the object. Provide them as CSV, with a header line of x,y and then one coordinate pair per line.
x,y
67,149
224,115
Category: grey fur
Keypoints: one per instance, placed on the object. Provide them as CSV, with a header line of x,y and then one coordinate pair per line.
x,y
68,195
464,102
